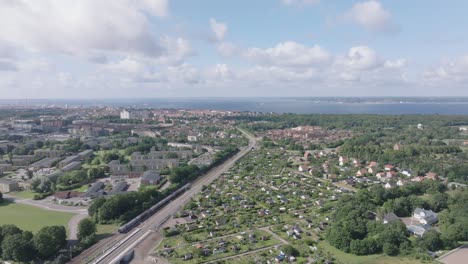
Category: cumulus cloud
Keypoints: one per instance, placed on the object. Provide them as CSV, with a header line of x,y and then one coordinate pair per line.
x,y
227,48
76,27
372,16
361,58
289,54
449,70
219,29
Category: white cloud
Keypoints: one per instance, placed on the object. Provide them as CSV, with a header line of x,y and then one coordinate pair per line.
x,y
299,2
289,54
361,58
372,16
175,50
450,70
227,48
219,29
77,27
396,64
185,73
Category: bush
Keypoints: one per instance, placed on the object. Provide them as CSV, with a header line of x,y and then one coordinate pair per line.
x,y
40,196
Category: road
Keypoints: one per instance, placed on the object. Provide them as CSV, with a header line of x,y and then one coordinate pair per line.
x,y
113,253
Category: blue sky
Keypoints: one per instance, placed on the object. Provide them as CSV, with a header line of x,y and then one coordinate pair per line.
x,y
179,48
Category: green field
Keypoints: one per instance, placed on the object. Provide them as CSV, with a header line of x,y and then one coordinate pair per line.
x,y
346,258
24,194
31,218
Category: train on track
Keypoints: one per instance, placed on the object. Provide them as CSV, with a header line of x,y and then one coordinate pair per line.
x,y
153,209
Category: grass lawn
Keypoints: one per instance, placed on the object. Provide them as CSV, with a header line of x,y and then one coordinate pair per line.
x,y
83,188
106,229
24,194
31,218
346,258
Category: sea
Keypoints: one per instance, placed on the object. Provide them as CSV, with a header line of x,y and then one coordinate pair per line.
x,y
330,105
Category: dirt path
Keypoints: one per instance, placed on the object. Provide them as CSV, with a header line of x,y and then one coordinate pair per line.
x,y
242,254
73,226
267,229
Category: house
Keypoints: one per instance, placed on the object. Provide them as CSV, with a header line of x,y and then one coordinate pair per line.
x,y
406,172
68,160
417,230
75,165
361,172
191,138
425,217
343,160
389,218
380,176
119,188
356,163
95,190
418,179
397,147
420,126
371,170
7,186
150,178
389,185
431,176
389,167
400,182
303,168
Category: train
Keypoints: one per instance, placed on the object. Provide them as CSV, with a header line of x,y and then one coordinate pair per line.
x,y
153,209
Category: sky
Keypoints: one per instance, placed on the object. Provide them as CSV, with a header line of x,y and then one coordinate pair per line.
x,y
243,48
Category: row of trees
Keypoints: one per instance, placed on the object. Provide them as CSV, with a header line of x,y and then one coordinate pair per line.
x,y
355,122
24,246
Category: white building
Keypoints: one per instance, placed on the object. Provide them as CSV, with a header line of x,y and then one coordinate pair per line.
x,y
124,114
192,138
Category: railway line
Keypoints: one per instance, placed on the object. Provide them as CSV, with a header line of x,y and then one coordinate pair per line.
x,y
121,244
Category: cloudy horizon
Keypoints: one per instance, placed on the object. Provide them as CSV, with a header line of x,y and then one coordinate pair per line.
x,y
277,48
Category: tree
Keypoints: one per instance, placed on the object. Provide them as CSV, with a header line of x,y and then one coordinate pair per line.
x,y
94,207
18,247
390,249
42,185
431,241
290,250
95,173
86,227
1,197
49,240
9,230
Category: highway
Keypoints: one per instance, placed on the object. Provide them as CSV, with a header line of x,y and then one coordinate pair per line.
x,y
115,248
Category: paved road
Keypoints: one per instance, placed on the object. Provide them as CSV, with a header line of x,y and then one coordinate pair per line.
x,y
47,205
113,253
73,225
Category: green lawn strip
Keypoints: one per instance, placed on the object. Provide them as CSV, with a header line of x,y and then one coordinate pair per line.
x,y
24,194
83,188
346,258
31,218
